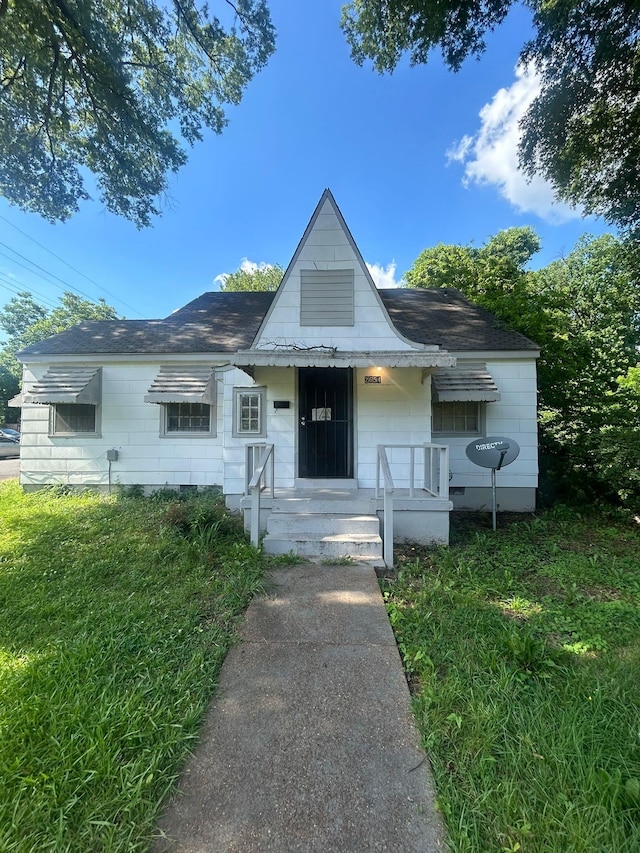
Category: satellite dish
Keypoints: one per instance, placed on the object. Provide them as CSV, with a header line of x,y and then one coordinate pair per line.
x,y
493,452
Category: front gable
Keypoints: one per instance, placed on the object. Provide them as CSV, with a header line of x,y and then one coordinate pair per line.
x,y
327,298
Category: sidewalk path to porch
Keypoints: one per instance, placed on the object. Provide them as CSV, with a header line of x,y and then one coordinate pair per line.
x,y
310,744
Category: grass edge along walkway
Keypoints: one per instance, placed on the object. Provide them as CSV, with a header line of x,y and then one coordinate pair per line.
x,y
522,649
116,615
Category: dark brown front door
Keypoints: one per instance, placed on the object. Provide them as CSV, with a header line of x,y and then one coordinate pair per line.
x,y
325,414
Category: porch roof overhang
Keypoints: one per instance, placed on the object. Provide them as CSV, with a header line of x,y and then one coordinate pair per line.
x,y
64,384
183,384
329,357
474,384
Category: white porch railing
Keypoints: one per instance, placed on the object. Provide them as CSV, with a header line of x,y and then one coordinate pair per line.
x,y
258,477
435,481
387,526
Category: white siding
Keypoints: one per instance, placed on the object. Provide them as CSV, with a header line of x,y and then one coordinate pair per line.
x,y
513,416
327,247
394,412
127,424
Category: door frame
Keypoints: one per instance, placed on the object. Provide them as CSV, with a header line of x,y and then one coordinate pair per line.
x,y
350,388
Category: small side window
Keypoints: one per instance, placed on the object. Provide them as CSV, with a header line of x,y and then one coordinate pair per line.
x,y
73,418
248,412
188,419
460,418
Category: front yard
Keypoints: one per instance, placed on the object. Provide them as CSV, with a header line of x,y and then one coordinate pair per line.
x,y
116,615
522,649
523,654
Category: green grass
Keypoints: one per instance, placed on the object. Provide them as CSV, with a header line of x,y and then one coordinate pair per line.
x,y
522,649
115,617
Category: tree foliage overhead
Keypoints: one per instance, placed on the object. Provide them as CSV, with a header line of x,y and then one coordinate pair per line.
x,y
103,85
582,132
25,322
263,277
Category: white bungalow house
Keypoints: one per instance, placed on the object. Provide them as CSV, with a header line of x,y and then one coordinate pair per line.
x,y
330,411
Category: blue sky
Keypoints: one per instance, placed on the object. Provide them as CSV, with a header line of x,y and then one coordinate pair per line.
x,y
413,159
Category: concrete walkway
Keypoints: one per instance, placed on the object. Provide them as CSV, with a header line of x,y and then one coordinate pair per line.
x,y
310,744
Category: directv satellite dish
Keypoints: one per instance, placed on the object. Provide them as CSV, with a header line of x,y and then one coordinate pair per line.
x,y
493,452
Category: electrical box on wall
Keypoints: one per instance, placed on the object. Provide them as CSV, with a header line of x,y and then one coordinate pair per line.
x,y
112,455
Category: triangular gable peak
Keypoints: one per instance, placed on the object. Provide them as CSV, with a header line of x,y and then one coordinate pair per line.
x,y
327,298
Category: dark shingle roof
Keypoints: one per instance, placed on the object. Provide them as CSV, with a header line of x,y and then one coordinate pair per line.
x,y
445,317
214,322
227,322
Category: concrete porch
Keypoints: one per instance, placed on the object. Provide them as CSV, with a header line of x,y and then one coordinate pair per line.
x,y
326,524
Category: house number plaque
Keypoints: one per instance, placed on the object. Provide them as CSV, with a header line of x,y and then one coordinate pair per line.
x,y
372,380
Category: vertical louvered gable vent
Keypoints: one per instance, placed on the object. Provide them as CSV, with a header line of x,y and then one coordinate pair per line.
x,y
326,298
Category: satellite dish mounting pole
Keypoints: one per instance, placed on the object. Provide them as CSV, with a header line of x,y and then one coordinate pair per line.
x,y
493,453
494,504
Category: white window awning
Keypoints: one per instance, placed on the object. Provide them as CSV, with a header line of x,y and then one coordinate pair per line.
x,y
183,384
15,402
62,384
464,383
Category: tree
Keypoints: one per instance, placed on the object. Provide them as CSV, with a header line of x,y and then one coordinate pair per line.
x,y
103,84
26,322
584,312
582,132
493,276
263,277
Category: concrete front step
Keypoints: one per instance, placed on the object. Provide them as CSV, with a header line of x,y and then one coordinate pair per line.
x,y
356,545
322,524
312,529
325,506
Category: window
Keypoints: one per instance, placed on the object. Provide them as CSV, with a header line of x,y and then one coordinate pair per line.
x,y
72,418
187,418
248,412
464,417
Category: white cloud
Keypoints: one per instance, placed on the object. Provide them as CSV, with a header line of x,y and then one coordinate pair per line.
x,y
490,156
384,276
246,266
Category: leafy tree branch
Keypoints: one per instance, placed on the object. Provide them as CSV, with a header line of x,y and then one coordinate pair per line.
x,y
582,131
100,86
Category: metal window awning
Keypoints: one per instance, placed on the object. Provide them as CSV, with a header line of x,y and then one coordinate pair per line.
x,y
464,383
15,402
330,357
66,385
183,384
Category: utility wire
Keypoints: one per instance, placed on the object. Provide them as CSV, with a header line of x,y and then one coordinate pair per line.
x,y
37,266
10,285
62,260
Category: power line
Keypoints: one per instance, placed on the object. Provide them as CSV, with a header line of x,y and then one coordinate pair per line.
x,y
12,287
37,266
79,272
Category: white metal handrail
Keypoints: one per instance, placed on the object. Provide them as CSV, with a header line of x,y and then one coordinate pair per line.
x,y
435,481
435,468
256,481
382,464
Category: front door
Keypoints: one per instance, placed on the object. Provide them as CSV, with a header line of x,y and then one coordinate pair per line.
x,y
325,415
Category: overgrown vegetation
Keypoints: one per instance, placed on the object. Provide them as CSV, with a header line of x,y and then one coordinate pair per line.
x,y
522,649
584,312
116,616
